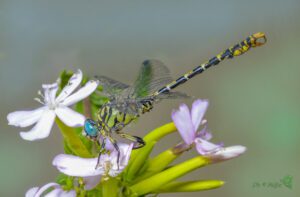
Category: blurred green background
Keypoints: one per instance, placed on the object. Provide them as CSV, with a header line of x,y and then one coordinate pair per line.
x,y
254,99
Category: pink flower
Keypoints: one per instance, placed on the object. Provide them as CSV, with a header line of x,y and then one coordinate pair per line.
x,y
188,122
43,117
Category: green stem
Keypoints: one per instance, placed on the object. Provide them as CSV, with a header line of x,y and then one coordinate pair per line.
x,y
138,157
110,187
190,186
154,135
160,132
155,182
73,140
158,163
139,162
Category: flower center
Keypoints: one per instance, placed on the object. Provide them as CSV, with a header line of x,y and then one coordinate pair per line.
x,y
107,165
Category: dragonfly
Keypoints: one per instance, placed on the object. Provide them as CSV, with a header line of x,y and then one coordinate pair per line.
x,y
153,84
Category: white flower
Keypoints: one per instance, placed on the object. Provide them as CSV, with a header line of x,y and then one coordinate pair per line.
x,y
56,192
85,167
53,106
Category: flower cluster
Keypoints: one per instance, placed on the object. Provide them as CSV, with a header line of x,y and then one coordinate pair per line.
x,y
136,173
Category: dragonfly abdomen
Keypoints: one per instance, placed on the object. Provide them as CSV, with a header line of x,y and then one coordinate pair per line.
x,y
254,40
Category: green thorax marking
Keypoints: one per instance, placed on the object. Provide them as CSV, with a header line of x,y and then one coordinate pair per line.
x,y
110,118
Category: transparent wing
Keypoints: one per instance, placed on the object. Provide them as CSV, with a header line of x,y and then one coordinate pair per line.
x,y
111,87
153,75
127,106
172,95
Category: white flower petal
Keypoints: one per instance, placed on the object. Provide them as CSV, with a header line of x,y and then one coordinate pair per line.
x,y
50,92
31,192
227,153
25,118
76,166
58,192
42,128
125,153
198,110
82,93
73,83
44,188
70,117
183,122
91,182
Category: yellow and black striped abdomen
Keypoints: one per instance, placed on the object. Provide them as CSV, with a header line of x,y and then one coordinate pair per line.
x,y
254,40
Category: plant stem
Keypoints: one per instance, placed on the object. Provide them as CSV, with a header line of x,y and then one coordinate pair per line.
x,y
110,187
154,135
156,181
190,186
158,163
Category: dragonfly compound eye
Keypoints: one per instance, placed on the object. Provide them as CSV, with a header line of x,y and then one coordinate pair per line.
x,y
90,128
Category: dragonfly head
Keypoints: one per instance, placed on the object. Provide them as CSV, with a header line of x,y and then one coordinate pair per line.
x,y
91,129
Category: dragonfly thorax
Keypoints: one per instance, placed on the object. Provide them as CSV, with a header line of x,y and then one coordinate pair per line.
x,y
114,117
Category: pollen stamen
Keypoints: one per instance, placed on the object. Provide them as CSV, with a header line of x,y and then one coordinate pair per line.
x,y
39,100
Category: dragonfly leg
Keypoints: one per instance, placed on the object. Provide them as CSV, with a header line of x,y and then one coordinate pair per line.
x,y
138,142
102,149
114,142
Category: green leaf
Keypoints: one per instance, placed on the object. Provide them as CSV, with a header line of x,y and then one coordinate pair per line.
x,y
73,140
61,179
64,78
94,193
67,149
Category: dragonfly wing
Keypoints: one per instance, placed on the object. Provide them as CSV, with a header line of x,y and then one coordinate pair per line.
x,y
127,106
110,86
152,76
172,95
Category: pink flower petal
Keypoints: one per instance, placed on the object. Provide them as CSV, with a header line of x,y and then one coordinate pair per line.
x,y
227,153
73,83
204,134
42,128
70,117
183,121
198,110
25,118
126,152
82,93
205,147
76,166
